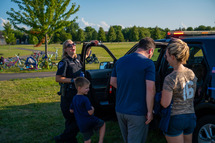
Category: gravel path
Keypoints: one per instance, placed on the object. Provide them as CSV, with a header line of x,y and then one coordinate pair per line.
x,y
11,76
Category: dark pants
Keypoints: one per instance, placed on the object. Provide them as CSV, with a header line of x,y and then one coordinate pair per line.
x,y
71,127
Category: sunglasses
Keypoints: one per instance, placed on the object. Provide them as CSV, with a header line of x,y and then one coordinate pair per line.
x,y
71,45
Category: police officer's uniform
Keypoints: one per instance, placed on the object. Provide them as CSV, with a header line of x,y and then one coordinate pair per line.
x,y
69,68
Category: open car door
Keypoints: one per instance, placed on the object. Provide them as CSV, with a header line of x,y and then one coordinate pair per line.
x,y
97,69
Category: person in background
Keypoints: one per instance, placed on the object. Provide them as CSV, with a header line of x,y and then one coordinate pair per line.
x,y
133,77
69,68
83,111
179,87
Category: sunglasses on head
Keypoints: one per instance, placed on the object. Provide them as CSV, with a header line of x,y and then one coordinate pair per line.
x,y
71,45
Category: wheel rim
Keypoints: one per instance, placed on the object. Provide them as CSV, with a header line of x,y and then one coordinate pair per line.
x,y
207,134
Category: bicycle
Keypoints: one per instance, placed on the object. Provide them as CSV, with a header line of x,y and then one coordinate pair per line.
x,y
46,64
15,61
1,63
56,53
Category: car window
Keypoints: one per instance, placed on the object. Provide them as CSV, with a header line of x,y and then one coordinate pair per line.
x,y
196,55
97,55
156,54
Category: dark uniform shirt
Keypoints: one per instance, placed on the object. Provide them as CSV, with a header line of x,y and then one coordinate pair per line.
x,y
70,68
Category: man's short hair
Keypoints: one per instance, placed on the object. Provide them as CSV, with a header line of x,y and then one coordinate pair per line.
x,y
146,43
81,81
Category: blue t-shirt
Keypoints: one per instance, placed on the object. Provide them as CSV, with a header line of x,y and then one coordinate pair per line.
x,y
132,71
81,105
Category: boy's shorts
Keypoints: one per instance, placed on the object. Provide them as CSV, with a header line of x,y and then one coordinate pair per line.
x,y
183,123
87,135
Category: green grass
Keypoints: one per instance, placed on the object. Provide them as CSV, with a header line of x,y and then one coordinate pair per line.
x,y
30,112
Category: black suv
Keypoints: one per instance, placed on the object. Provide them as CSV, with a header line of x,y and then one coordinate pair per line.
x,y
201,61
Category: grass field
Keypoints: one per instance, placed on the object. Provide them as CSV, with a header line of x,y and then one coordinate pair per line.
x,y
30,108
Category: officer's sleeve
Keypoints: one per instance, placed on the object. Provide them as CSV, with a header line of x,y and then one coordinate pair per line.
x,y
150,71
88,104
62,66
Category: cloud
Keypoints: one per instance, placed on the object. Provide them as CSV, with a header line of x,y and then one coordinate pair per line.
x,y
3,21
83,24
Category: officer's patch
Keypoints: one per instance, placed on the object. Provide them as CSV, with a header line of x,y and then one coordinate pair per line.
x,y
61,64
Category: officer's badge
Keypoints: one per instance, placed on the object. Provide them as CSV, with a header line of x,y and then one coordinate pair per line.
x,y
60,65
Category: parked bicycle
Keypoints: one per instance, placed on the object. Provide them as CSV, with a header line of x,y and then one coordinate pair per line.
x,y
56,53
12,62
1,63
46,64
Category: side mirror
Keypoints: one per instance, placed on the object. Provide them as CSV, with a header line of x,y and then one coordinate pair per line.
x,y
104,65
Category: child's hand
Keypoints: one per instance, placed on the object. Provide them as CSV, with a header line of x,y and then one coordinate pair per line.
x,y
71,111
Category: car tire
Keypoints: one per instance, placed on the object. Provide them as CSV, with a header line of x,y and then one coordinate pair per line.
x,y
205,130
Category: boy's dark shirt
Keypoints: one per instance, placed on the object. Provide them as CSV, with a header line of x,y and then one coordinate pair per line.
x,y
81,105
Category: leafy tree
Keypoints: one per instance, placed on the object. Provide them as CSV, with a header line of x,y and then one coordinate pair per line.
x,y
166,30
126,33
33,39
208,28
44,17
143,32
189,28
8,33
94,35
89,33
18,34
119,36
156,33
65,36
201,27
101,35
134,35
111,34
73,30
80,36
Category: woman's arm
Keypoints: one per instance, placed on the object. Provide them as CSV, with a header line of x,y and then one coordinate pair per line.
x,y
166,98
62,79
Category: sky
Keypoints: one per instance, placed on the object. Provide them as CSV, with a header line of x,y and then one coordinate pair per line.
x,y
172,14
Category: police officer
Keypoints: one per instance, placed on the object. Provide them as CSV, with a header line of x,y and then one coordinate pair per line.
x,y
69,68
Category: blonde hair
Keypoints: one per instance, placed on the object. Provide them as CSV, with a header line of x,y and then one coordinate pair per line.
x,y
64,47
179,49
81,81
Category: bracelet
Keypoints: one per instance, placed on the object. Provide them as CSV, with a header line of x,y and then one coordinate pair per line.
x,y
72,80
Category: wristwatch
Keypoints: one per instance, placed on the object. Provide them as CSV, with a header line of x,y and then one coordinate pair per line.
x,y
72,80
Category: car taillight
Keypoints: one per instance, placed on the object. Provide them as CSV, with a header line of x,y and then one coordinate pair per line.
x,y
110,89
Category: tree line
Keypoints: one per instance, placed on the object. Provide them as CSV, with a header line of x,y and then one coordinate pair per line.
x,y
115,34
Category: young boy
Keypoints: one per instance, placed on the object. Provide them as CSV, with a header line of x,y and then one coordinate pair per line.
x,y
83,111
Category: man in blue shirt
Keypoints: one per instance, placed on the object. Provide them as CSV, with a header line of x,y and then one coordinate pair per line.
x,y
133,77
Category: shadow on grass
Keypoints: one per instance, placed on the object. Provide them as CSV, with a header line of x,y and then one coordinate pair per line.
x,y
40,122
37,122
